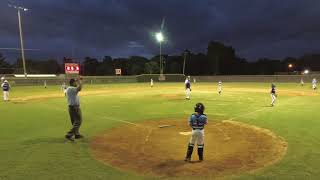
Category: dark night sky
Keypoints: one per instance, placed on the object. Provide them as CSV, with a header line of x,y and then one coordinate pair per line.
x,y
122,28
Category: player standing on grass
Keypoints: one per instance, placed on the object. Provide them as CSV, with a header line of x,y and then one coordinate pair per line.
x,y
64,88
273,94
197,122
188,88
219,87
6,88
314,84
301,82
151,82
74,109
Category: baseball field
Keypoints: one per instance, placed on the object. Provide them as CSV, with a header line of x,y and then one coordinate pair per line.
x,y
133,131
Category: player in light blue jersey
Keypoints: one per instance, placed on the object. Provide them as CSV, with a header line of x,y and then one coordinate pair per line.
x,y
197,122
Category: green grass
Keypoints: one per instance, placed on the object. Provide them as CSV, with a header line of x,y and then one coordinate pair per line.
x,y
32,144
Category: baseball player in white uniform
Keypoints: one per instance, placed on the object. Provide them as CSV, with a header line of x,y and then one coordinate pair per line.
x,y
301,82
197,122
273,94
314,83
64,88
219,87
151,82
6,88
188,88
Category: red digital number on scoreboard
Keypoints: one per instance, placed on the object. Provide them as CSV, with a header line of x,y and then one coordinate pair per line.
x,y
72,68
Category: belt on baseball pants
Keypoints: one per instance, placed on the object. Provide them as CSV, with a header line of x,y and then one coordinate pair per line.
x,y
197,128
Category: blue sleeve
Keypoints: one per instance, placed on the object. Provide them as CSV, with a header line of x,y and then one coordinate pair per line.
x,y
204,119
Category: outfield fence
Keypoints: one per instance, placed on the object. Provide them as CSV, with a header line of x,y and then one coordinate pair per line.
x,y
169,78
258,78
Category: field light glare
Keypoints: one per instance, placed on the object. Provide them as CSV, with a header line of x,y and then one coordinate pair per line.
x,y
159,37
290,65
306,71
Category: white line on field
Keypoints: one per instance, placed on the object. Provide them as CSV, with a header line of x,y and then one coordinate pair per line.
x,y
118,120
246,114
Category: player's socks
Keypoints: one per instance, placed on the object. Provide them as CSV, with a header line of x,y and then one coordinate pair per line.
x,y
200,153
189,153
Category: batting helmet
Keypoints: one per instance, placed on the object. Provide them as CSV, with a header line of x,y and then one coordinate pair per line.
x,y
199,107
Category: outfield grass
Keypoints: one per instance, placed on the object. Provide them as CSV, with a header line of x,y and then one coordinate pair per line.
x,y
32,127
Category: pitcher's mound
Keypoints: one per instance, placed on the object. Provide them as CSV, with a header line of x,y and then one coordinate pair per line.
x,y
230,147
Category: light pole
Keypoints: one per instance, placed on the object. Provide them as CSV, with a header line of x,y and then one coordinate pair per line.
x,y
21,36
160,38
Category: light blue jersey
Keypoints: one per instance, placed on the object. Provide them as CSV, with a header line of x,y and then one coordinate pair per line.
x,y
198,121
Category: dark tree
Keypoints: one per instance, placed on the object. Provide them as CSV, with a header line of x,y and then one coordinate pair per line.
x,y
106,66
90,66
5,67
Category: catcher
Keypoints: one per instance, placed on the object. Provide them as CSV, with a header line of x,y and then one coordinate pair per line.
x,y
197,122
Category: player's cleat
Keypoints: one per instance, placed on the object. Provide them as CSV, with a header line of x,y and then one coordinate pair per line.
x,y
69,138
78,136
187,159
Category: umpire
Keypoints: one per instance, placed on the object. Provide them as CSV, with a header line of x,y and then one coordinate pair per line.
x,y
74,109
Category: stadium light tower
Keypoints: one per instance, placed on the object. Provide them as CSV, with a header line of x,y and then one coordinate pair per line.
x,y
160,39
19,8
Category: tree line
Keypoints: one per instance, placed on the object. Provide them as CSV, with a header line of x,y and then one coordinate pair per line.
x,y
219,59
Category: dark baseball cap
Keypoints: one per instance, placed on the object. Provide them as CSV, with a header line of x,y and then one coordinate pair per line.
x,y
72,81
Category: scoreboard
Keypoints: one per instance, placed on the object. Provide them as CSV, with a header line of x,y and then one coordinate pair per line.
x,y
72,68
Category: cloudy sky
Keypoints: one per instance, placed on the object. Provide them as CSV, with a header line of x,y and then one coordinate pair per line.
x,y
122,28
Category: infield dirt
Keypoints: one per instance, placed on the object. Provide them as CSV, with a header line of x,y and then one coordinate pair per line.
x,y
230,147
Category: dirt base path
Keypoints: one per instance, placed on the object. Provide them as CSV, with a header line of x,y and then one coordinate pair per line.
x,y
230,147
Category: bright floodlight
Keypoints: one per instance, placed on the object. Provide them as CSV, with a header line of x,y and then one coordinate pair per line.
x,y
25,9
306,71
290,65
159,37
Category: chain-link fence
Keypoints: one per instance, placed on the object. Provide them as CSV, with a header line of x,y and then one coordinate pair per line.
x,y
168,78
